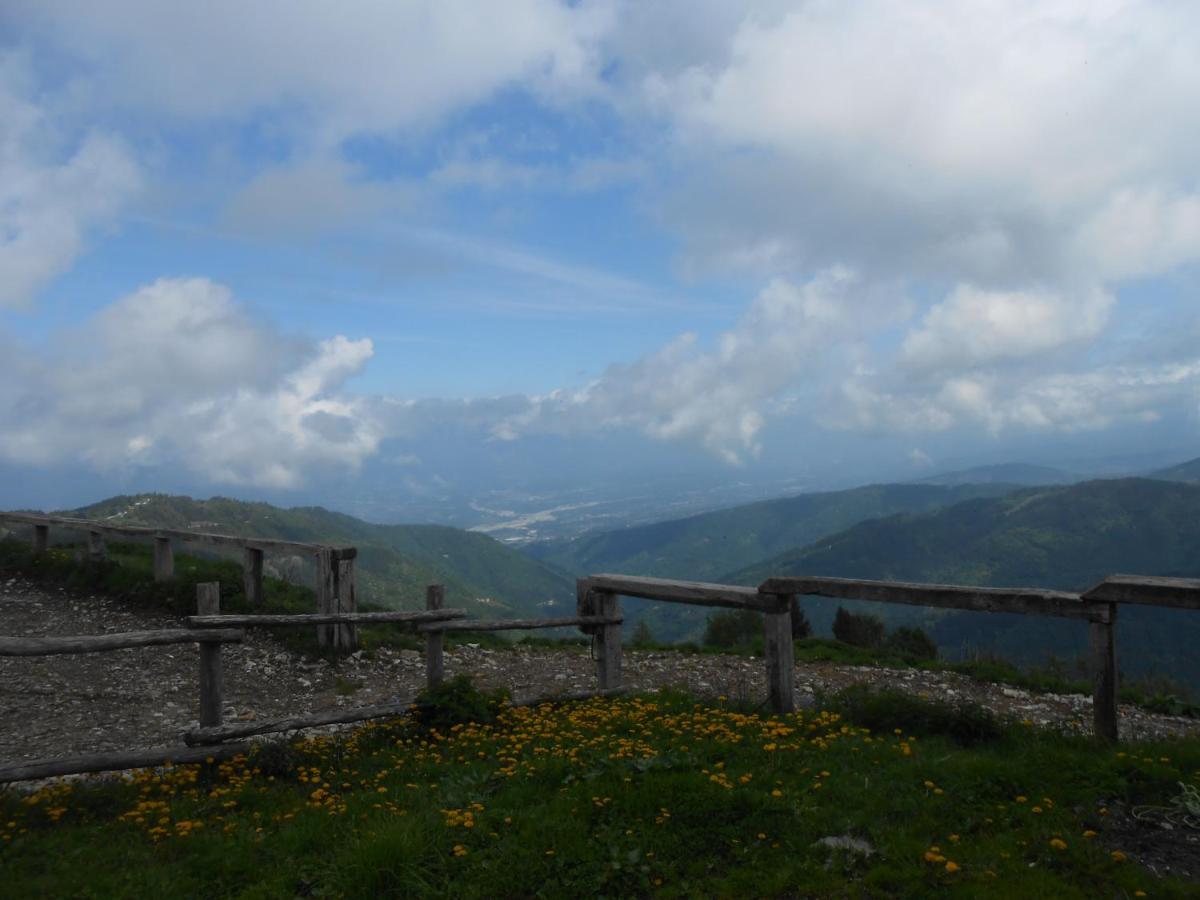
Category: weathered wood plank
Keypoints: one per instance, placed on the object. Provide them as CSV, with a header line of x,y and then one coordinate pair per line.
x,y
326,592
208,603
1026,601
113,762
608,642
252,575
200,537
435,660
345,601
1144,590
1104,677
97,549
164,559
516,624
780,655
202,736
103,643
247,620
668,590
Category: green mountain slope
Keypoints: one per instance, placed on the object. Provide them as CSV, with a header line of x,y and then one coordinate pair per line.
x,y
1007,473
1062,537
395,562
1188,471
703,547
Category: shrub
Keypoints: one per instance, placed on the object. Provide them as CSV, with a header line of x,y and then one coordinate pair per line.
x,y
456,702
735,629
858,630
884,710
801,627
642,635
912,643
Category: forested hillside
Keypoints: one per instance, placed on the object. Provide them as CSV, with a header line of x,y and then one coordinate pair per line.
x,y
704,547
1188,471
396,562
1062,537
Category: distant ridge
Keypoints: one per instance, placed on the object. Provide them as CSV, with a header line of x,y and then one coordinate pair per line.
x,y
705,546
1005,473
1188,472
1066,537
395,562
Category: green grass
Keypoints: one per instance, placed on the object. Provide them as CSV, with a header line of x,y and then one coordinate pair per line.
x,y
654,795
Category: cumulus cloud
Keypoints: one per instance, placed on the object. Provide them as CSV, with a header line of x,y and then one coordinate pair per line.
x,y
719,395
55,187
328,71
178,374
982,142
975,327
1059,401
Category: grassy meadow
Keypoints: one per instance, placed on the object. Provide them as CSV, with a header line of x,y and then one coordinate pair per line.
x,y
653,795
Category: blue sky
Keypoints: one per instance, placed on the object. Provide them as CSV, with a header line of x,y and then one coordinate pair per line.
x,y
260,250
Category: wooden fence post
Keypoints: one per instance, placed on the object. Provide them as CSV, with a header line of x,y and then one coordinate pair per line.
x,y
41,539
326,598
780,656
97,549
435,661
608,642
164,559
1104,673
208,603
252,575
346,636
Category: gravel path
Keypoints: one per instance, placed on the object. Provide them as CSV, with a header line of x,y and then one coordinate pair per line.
x,y
63,705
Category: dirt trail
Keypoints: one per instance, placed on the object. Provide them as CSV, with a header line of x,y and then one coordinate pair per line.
x,y
61,705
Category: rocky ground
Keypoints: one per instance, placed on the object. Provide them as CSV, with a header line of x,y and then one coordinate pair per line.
x,y
64,705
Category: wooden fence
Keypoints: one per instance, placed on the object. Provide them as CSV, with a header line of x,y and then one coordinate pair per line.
x,y
1097,607
335,569
209,628
598,613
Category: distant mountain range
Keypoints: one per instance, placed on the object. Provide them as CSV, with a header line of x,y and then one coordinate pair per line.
x,y
1008,473
707,546
395,562
1066,537
990,532
1188,472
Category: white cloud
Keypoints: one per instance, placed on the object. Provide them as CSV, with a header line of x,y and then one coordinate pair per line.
x,y
975,327
55,188
327,71
177,374
1059,401
980,142
718,396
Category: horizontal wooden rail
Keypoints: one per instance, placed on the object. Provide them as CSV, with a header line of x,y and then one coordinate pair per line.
x,y
102,643
697,593
516,624
312,720
114,762
1142,590
200,537
1024,601
294,619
